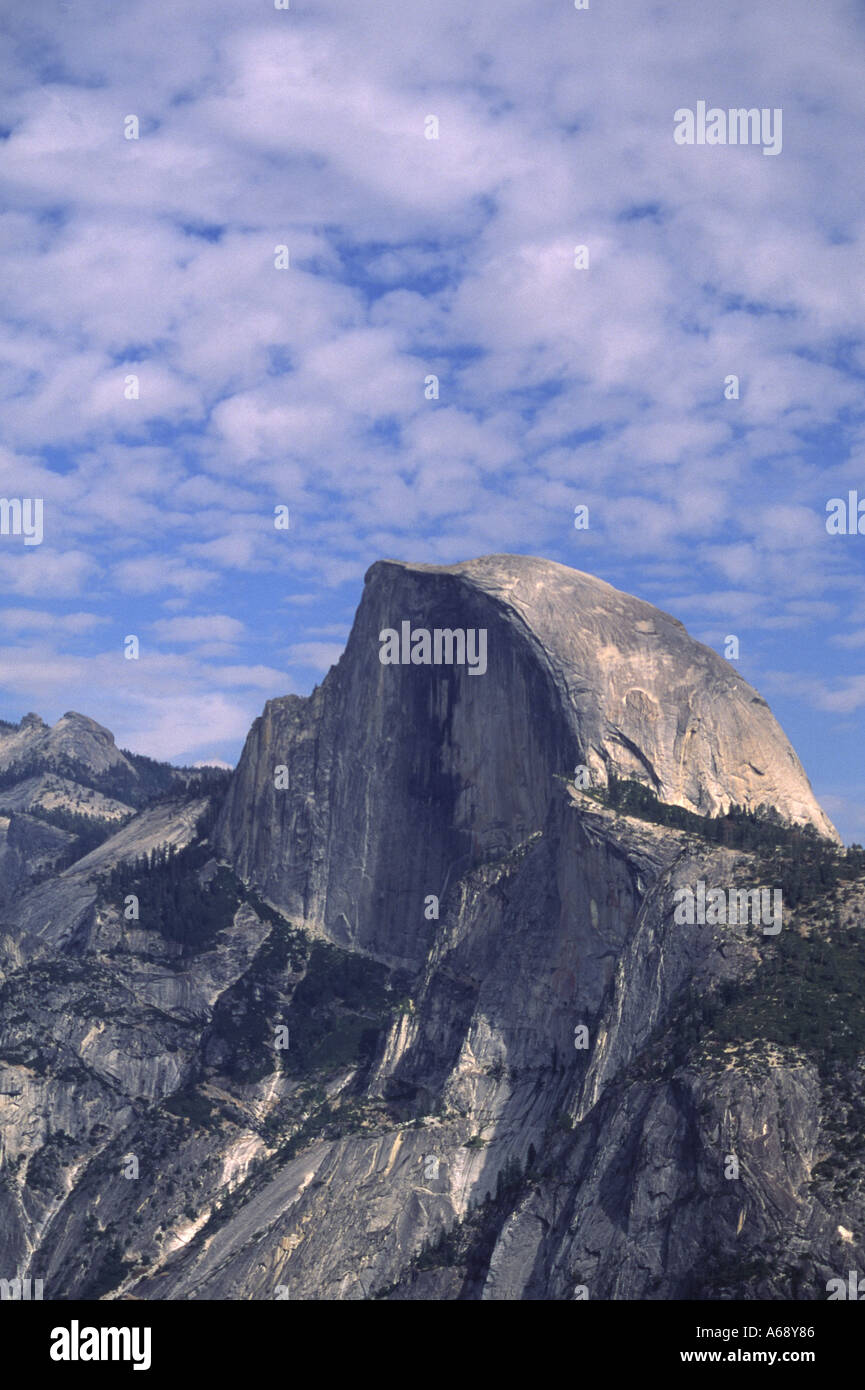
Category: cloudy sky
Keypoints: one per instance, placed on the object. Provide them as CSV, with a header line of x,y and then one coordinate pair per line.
x,y
304,387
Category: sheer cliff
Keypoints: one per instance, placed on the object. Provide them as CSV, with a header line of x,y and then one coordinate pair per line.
x,y
401,775
411,1010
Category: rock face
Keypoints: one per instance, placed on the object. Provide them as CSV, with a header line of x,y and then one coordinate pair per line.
x,y
401,776
50,793
28,847
73,740
440,1030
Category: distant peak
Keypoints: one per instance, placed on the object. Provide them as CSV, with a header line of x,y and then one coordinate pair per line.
x,y
84,723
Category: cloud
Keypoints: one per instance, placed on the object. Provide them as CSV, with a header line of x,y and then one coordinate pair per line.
x,y
411,257
320,656
154,574
40,620
46,573
839,695
213,627
135,699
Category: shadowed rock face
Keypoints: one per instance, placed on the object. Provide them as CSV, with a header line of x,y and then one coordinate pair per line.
x,y
402,775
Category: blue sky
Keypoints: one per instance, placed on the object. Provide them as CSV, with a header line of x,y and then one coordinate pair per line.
x,y
408,256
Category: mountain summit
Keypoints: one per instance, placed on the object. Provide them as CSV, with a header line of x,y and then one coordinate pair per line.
x,y
402,775
641,697
74,741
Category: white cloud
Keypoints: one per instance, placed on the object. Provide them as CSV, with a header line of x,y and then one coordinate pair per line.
x,y
213,627
320,656
40,620
305,387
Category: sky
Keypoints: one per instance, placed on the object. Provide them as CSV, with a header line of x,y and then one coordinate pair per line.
x,y
150,265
